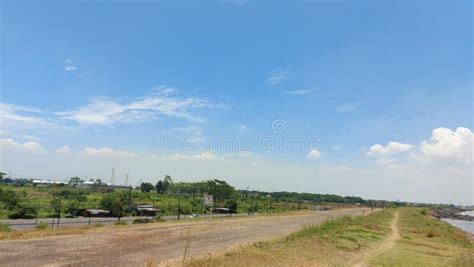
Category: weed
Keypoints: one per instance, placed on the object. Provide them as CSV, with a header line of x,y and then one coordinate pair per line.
x,y
42,226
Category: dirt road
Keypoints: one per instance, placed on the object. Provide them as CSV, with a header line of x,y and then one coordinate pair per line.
x,y
134,246
387,244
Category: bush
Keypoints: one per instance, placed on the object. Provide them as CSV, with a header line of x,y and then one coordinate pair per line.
x,y
423,212
5,227
143,220
42,226
22,212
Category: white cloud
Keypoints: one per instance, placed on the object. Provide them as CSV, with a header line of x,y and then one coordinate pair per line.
x,y
338,169
390,148
13,114
27,146
450,146
314,153
104,111
106,152
298,92
278,76
65,150
201,156
68,66
242,127
349,107
385,161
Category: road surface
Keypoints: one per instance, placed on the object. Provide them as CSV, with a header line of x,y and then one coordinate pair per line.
x,y
156,243
28,224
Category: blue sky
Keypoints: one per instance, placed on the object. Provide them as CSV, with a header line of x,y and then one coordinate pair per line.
x,y
115,75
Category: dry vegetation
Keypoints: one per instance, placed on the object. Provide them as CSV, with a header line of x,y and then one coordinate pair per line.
x,y
427,242
350,241
335,242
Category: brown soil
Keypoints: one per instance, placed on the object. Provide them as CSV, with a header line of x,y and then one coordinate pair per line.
x,y
157,243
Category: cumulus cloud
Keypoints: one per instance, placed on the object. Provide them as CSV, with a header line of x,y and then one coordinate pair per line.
x,y
65,150
390,148
105,152
314,153
27,146
450,146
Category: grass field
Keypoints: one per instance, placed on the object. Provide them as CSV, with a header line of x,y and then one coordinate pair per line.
x,y
350,241
167,203
426,242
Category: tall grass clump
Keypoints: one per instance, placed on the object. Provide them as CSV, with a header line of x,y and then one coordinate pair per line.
x,y
5,227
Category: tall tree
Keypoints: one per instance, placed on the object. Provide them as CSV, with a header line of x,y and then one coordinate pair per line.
x,y
167,183
160,188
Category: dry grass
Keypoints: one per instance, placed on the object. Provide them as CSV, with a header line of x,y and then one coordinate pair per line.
x,y
427,242
37,233
339,242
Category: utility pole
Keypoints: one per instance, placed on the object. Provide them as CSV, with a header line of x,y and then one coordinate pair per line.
x,y
179,205
113,175
126,179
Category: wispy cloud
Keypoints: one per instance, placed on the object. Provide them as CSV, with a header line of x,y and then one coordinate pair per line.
x,y
314,153
68,66
19,115
106,152
349,107
201,156
278,76
106,111
298,92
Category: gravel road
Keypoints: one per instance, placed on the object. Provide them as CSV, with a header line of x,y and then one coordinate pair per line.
x,y
158,243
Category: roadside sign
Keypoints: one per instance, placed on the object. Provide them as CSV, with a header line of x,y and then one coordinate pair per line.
x,y
208,200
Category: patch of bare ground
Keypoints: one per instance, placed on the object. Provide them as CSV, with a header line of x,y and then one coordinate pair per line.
x,y
386,245
156,243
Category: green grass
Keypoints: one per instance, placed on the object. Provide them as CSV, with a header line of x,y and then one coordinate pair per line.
x,y
333,243
426,242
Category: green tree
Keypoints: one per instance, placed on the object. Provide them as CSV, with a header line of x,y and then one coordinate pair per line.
x,y
160,188
75,181
167,183
56,204
9,198
1,176
116,203
231,204
146,187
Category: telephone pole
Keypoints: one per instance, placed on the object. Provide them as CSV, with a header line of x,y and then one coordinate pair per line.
x,y
113,175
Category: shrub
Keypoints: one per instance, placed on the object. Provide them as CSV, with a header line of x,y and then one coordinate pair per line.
x,y
431,234
142,220
42,226
423,212
5,227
